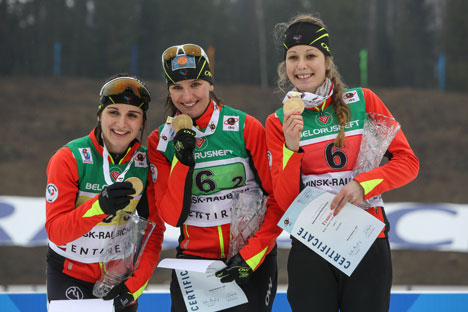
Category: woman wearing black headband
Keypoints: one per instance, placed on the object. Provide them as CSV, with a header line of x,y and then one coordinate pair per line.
x,y
86,193
318,146
216,151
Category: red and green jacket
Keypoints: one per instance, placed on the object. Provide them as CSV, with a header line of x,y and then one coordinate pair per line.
x,y
320,164
75,223
230,154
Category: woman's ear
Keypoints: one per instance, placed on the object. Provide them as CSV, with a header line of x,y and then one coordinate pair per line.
x,y
328,66
211,87
328,63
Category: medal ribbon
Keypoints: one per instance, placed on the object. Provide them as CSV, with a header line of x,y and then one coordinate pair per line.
x,y
105,166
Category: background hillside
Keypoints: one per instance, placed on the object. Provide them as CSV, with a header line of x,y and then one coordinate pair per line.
x,y
39,115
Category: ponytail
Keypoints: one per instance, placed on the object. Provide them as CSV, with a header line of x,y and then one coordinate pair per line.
x,y
342,110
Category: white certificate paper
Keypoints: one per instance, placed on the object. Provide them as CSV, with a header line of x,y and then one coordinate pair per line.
x,y
201,289
342,240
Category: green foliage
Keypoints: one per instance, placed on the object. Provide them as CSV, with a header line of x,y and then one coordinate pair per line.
x,y
97,37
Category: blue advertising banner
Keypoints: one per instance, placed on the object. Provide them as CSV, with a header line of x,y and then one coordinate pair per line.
x,y
437,226
400,302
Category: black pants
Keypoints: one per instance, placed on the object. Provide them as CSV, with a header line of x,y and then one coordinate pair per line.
x,y
260,289
316,285
61,286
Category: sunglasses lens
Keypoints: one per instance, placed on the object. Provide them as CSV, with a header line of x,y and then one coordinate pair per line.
x,y
120,85
170,53
191,49
187,49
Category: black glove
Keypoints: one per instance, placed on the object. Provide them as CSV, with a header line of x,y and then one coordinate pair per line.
x,y
121,295
115,197
237,269
184,145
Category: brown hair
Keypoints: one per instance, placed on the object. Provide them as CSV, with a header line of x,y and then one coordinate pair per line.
x,y
342,110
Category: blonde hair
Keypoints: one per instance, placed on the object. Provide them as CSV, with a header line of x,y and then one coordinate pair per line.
x,y
342,110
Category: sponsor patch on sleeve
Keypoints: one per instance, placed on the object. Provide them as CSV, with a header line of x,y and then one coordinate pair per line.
x,y
154,172
350,97
51,193
86,155
231,123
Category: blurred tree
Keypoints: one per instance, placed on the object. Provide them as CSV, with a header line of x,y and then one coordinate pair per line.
x,y
414,54
149,39
455,44
116,31
37,34
226,25
346,23
8,31
97,37
82,48
378,36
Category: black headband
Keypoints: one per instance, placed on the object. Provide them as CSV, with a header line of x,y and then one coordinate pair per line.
x,y
305,33
123,98
183,67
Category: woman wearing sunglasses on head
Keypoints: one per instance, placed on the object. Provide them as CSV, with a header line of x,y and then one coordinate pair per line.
x,y
219,150
86,192
318,146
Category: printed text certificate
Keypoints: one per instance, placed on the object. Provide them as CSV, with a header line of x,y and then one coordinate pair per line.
x,y
342,240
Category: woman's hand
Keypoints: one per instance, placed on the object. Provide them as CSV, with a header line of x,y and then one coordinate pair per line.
x,y
292,128
352,193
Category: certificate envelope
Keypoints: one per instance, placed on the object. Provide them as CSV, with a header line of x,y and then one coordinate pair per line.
x,y
342,240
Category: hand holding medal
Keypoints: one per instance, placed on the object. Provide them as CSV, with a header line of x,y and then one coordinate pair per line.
x,y
293,122
184,140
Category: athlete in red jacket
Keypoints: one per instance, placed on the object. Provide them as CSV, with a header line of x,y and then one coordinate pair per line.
x,y
199,168
318,147
85,192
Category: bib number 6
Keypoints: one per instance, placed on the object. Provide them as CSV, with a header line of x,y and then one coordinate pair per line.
x,y
336,158
208,182
203,181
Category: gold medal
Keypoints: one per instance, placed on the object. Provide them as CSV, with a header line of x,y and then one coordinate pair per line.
x,y
293,104
136,184
182,121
